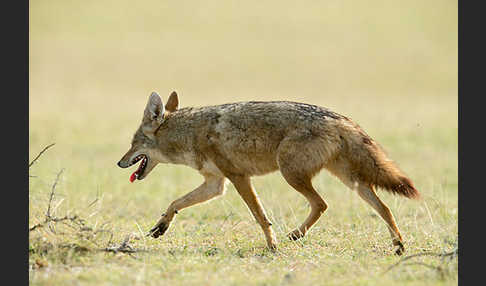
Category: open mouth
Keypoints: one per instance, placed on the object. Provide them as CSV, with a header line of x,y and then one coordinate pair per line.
x,y
141,168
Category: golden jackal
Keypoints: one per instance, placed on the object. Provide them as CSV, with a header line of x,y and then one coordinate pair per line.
x,y
239,140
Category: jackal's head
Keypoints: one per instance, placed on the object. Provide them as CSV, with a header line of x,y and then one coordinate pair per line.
x,y
144,145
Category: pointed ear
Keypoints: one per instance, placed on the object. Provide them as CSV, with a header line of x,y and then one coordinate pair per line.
x,y
154,111
172,103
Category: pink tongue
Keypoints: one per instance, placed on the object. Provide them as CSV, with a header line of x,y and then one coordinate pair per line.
x,y
133,177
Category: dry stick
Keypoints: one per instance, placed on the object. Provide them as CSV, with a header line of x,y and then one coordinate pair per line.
x,y
55,219
438,268
452,254
48,214
93,202
35,159
49,218
225,219
124,247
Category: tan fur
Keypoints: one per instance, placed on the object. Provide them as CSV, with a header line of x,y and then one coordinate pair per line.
x,y
239,140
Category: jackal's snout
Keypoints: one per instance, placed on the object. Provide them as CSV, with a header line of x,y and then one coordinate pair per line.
x,y
125,160
122,164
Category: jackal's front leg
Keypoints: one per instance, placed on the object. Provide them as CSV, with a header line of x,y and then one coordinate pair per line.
x,y
212,187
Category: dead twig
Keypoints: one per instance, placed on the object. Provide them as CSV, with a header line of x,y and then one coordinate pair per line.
x,y
43,150
225,219
49,218
51,197
450,254
124,247
77,224
92,203
74,219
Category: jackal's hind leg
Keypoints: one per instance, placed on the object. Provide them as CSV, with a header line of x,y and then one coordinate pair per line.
x,y
368,195
299,160
246,191
304,186
212,187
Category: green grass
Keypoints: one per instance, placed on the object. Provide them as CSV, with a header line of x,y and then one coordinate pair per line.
x,y
391,66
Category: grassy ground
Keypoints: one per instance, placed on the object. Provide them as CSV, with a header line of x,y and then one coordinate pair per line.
x,y
391,66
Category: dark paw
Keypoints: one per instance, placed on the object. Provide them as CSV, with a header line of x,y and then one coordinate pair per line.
x,y
401,248
295,235
158,230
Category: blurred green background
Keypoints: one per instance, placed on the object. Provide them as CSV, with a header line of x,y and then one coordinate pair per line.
x,y
389,65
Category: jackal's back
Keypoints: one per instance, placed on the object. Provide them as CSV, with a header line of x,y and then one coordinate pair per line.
x,y
247,135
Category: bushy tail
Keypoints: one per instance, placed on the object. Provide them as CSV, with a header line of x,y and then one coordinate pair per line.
x,y
390,178
372,166
387,175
